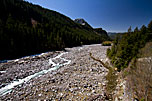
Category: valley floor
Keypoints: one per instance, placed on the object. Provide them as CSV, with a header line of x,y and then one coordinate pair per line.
x,y
74,76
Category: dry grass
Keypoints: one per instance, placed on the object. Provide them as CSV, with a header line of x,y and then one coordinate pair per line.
x,y
107,43
112,81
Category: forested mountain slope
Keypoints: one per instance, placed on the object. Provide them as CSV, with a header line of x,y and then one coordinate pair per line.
x,y
103,33
27,29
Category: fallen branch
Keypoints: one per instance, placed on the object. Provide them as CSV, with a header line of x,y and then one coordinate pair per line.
x,y
99,61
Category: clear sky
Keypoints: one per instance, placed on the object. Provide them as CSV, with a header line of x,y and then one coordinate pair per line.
x,y
111,15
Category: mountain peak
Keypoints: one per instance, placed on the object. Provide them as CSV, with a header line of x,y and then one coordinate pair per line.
x,y
82,22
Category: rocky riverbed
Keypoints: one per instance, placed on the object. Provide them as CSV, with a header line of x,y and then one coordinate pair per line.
x,y
80,78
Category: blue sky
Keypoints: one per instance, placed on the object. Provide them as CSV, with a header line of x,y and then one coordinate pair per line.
x,y
111,15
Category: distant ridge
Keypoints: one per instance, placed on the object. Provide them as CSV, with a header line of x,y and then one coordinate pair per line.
x,y
98,31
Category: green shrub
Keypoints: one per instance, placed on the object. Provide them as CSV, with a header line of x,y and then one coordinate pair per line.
x,y
108,51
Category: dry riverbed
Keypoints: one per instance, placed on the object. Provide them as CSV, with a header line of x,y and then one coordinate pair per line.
x,y
80,78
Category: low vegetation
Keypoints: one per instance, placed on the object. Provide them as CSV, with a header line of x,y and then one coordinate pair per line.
x,y
107,43
112,82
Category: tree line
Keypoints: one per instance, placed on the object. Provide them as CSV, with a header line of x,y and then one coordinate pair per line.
x,y
126,46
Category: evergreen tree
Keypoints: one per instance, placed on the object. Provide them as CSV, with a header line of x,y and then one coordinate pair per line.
x,y
150,26
129,30
136,29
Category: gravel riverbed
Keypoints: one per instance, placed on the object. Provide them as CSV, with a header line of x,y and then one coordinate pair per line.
x,y
81,79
